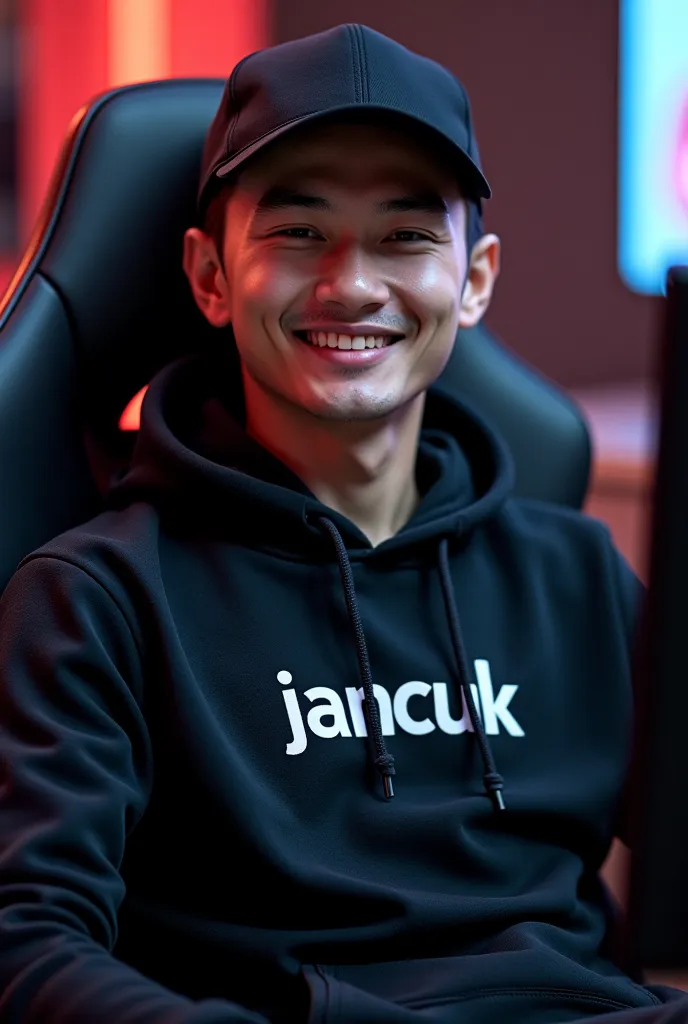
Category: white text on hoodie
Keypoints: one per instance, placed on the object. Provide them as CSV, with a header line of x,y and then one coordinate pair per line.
x,y
329,719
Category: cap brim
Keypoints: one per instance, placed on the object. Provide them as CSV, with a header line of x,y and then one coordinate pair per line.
x,y
470,176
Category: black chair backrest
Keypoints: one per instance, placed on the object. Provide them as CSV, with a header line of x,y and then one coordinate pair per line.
x,y
100,303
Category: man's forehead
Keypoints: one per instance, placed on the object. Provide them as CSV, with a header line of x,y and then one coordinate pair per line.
x,y
358,155
332,180
363,174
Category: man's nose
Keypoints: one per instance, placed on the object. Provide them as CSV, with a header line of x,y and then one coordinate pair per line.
x,y
350,278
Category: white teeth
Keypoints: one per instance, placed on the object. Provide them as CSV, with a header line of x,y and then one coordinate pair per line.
x,y
346,341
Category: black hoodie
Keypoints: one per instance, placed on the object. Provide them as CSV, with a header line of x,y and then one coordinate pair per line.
x,y
193,820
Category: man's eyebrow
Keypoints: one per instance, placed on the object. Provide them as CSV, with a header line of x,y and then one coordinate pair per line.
x,y
280,198
415,202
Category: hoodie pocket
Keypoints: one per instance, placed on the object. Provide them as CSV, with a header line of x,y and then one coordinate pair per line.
x,y
408,992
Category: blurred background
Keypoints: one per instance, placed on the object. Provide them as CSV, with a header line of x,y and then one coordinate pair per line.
x,y
581,109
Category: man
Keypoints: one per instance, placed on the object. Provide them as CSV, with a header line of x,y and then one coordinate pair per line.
x,y
316,723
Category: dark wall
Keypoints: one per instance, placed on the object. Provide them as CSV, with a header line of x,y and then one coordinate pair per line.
x,y
542,76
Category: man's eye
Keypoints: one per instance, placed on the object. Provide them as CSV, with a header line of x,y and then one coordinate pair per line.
x,y
298,233
409,236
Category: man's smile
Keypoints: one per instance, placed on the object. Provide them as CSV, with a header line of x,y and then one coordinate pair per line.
x,y
346,341
348,349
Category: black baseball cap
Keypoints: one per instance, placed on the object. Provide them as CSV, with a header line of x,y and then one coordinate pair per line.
x,y
345,70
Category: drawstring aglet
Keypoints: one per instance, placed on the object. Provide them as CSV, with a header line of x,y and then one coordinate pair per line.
x,y
385,765
494,784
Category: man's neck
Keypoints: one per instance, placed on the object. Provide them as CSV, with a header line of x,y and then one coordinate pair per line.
x,y
363,470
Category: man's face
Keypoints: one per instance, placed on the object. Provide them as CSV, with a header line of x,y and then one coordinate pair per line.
x,y
341,233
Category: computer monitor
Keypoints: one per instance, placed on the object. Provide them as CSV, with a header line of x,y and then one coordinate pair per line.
x,y
657,924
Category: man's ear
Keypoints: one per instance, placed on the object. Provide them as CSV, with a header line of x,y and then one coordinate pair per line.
x,y
207,277
483,271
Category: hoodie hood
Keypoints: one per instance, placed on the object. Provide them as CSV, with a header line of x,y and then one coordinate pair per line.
x,y
193,459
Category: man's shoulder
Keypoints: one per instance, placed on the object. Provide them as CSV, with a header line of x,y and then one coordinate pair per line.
x,y
578,556
545,526
97,546
569,551
532,512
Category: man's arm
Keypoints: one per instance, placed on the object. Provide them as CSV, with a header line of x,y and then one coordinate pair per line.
x,y
75,774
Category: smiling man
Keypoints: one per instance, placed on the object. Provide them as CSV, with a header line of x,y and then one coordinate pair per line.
x,y
343,268
317,723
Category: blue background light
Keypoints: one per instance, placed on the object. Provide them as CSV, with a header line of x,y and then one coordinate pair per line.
x,y
653,141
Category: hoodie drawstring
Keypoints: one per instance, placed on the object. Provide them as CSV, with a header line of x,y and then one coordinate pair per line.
x,y
383,760
493,781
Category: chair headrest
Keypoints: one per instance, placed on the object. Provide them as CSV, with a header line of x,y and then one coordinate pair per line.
x,y
110,240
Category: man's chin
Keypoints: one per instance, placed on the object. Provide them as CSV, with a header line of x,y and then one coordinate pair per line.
x,y
352,409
